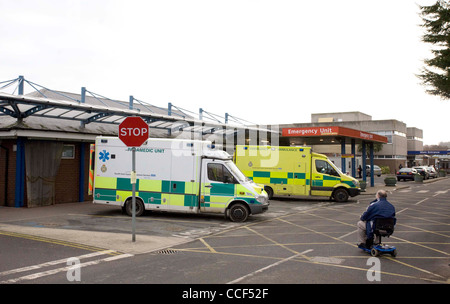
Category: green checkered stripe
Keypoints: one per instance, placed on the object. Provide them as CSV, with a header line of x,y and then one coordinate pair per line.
x,y
266,177
325,181
170,192
151,192
221,194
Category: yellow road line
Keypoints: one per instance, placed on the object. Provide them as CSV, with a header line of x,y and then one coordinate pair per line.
x,y
325,234
398,258
275,242
207,245
394,260
264,221
414,267
419,244
408,226
140,218
267,245
56,242
318,232
365,270
427,231
426,219
229,253
312,262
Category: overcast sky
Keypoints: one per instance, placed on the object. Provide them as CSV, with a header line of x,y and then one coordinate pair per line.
x,y
265,61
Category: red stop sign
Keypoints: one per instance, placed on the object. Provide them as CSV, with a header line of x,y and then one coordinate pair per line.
x,y
133,131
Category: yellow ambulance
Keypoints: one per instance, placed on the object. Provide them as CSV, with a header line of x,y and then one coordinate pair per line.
x,y
296,171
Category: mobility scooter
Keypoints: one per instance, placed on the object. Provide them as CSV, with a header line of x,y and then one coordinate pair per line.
x,y
383,227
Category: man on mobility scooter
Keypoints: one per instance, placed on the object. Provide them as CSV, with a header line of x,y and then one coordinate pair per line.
x,y
378,219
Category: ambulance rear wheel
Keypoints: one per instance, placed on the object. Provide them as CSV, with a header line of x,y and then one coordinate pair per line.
x,y
269,192
139,207
340,195
238,213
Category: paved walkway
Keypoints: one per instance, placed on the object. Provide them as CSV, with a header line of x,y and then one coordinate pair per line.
x,y
399,185
39,222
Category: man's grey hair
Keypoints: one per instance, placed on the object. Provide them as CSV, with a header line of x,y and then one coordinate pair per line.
x,y
382,193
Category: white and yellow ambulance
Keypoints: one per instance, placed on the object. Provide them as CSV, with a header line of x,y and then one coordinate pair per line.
x,y
173,175
296,171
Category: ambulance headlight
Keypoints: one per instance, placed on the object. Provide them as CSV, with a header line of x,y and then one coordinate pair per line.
x,y
355,183
263,198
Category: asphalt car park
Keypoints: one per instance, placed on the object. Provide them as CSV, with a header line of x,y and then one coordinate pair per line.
x,y
307,240
317,244
296,241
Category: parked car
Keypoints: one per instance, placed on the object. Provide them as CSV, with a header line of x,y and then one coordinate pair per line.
x,y
432,172
422,170
376,170
406,173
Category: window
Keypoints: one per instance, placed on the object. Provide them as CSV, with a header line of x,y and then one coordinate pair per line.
x,y
219,173
325,168
414,138
68,152
389,134
399,133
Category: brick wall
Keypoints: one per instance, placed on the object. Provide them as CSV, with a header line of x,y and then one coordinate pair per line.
x,y
67,178
66,185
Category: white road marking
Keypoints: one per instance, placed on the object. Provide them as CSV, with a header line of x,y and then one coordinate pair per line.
x,y
420,202
51,263
402,210
347,234
63,269
440,192
327,260
268,267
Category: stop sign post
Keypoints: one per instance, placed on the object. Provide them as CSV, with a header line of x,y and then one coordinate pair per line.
x,y
133,132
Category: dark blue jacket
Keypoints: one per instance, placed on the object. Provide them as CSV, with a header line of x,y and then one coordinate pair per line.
x,y
377,209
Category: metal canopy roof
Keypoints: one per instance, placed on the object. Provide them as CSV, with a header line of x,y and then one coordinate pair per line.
x,y
48,105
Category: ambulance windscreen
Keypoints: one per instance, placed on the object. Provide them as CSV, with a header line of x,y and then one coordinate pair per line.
x,y
236,172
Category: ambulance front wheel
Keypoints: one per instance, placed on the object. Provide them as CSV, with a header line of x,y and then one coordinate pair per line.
x,y
139,207
340,195
238,213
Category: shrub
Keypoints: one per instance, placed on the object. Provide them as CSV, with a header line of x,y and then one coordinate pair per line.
x,y
385,170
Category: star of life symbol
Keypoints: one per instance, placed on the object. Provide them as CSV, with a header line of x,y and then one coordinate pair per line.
x,y
104,156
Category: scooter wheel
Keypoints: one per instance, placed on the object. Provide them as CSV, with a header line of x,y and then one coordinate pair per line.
x,y
374,252
394,253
